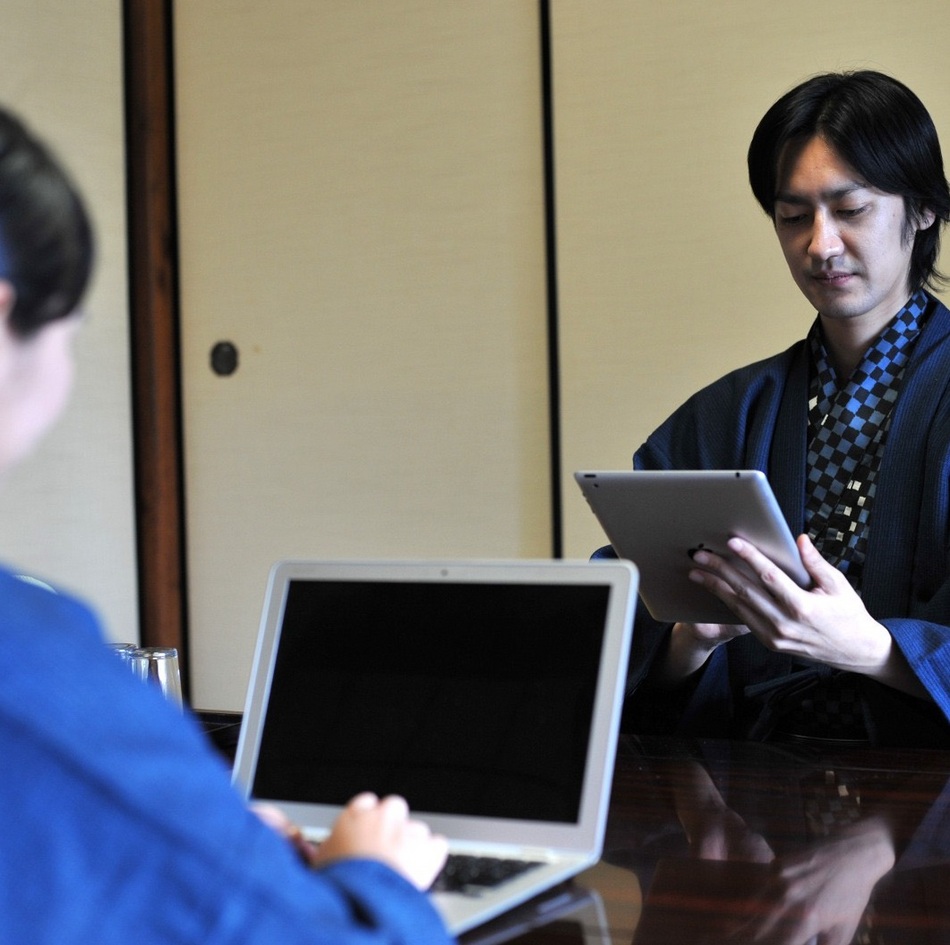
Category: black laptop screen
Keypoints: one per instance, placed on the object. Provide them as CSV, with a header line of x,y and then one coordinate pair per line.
x,y
465,698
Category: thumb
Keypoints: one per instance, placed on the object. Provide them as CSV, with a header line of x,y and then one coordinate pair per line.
x,y
825,575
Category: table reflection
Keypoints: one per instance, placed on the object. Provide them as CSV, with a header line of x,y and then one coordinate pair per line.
x,y
746,842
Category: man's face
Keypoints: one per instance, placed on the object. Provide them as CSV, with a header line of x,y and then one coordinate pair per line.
x,y
847,244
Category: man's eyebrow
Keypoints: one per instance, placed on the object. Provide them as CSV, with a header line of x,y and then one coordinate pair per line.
x,y
828,195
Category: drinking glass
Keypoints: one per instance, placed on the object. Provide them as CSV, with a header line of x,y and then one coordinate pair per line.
x,y
159,665
123,650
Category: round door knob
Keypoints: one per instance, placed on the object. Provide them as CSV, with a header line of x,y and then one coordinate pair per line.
x,y
224,358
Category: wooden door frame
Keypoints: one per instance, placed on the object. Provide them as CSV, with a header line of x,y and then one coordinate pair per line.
x,y
153,317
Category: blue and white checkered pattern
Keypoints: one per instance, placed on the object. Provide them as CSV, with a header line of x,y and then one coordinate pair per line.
x,y
847,432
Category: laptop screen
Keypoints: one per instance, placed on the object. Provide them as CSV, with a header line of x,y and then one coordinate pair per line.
x,y
465,698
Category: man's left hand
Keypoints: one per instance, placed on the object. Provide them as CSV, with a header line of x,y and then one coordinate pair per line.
x,y
827,623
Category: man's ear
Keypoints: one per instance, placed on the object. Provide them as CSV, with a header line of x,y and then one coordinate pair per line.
x,y
925,217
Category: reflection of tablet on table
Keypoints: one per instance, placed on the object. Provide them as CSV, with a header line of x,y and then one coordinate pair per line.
x,y
656,518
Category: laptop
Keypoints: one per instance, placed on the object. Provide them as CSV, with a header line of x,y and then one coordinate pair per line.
x,y
488,694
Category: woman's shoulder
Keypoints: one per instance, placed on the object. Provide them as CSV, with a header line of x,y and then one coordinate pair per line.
x,y
25,598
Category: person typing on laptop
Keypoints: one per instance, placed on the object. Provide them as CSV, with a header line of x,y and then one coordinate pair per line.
x,y
851,426
120,824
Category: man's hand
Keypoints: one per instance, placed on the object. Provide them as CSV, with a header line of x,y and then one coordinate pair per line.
x,y
691,644
821,893
828,623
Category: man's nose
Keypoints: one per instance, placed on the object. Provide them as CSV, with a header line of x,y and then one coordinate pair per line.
x,y
825,240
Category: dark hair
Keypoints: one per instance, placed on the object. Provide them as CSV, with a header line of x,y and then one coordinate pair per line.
x,y
878,126
46,244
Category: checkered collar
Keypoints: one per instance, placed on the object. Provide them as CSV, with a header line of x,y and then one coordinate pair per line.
x,y
847,432
892,344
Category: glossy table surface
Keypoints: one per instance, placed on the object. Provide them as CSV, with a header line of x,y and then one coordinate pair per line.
x,y
711,842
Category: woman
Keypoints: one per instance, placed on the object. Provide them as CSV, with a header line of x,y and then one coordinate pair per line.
x,y
120,824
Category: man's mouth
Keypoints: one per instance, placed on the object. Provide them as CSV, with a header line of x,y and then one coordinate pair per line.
x,y
834,278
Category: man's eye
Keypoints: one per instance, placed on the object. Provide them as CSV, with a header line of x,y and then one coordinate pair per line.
x,y
851,211
791,219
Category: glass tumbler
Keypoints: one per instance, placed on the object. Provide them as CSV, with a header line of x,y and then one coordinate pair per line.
x,y
159,665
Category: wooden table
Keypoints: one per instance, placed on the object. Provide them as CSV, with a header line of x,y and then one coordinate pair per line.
x,y
711,842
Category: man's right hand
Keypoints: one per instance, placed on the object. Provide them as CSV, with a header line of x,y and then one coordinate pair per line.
x,y
691,644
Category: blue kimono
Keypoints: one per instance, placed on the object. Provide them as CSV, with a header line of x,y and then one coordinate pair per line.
x,y
756,418
120,824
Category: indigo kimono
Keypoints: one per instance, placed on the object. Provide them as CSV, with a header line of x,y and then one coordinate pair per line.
x,y
756,418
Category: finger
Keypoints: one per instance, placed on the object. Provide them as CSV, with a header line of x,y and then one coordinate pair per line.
x,y
730,569
395,806
417,831
275,818
756,602
825,575
429,861
306,849
365,801
763,569
776,586
752,605
278,821
736,578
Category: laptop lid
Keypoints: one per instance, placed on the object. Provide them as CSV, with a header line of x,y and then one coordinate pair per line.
x,y
488,694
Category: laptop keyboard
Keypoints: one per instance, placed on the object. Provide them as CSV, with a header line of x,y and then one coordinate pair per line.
x,y
469,874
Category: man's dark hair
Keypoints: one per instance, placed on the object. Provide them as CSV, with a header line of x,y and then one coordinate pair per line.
x,y
46,244
881,129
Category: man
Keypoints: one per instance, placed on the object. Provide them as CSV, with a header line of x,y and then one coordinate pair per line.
x,y
852,427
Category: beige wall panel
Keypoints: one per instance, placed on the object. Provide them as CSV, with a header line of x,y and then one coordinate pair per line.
x,y
361,214
68,513
670,274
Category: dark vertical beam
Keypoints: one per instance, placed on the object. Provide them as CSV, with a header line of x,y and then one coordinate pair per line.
x,y
550,238
153,289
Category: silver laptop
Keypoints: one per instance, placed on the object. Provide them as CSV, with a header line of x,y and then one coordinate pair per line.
x,y
488,694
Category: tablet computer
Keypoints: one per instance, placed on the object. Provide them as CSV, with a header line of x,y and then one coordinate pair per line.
x,y
656,519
